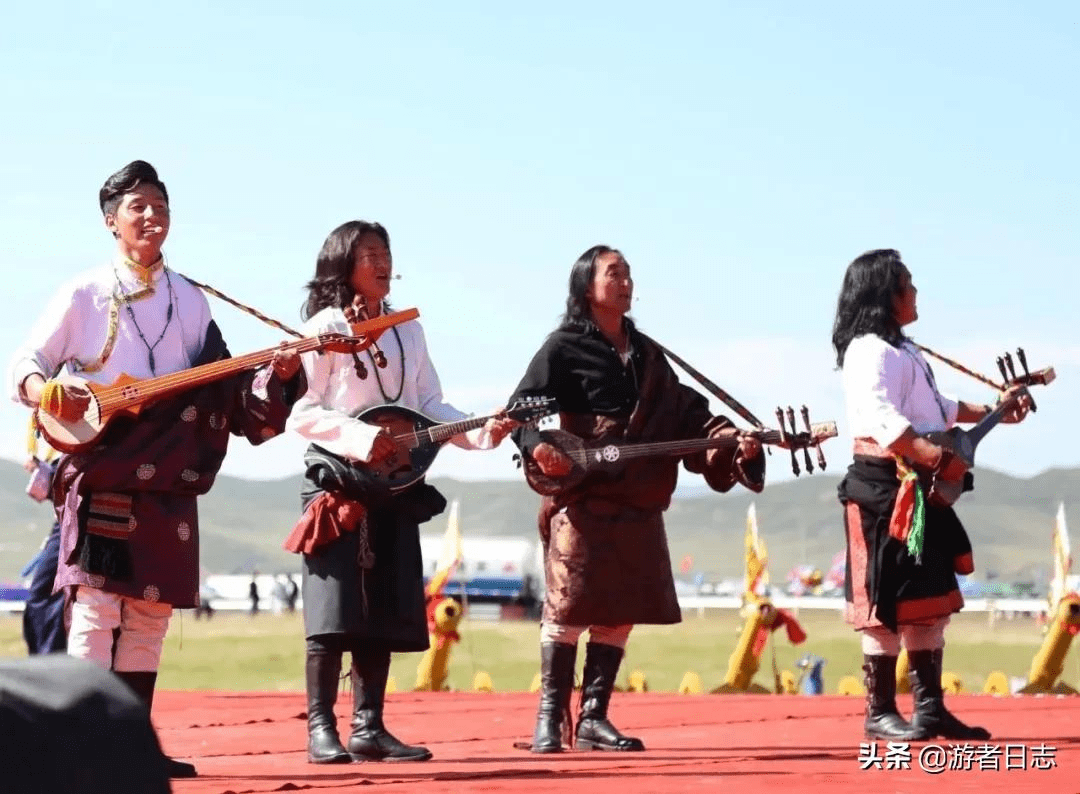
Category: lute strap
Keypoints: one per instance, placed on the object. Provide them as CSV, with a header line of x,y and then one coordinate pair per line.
x,y
961,368
243,307
715,390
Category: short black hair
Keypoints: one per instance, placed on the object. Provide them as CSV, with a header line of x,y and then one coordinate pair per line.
x,y
135,173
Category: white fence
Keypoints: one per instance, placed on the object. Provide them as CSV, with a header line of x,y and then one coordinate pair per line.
x,y
232,600
699,604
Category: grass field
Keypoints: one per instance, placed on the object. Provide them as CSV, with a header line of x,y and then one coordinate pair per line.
x,y
238,652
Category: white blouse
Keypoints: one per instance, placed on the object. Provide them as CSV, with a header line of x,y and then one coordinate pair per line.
x,y
887,389
73,328
336,394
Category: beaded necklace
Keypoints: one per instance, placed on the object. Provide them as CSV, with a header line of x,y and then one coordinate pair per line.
x,y
378,378
168,316
378,362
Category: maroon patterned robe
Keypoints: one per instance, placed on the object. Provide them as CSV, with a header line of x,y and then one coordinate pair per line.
x,y
606,554
127,507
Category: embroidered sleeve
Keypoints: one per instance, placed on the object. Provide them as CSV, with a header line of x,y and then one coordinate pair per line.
x,y
265,403
725,470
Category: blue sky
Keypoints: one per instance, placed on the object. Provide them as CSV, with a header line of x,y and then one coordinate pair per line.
x,y
739,154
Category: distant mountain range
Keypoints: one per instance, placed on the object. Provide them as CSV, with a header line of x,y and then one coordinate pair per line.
x,y
243,522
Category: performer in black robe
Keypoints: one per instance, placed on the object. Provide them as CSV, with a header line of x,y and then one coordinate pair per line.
x,y
363,584
607,565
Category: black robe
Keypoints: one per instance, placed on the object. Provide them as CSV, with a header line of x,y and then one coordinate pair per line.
x,y
606,555
383,603
884,584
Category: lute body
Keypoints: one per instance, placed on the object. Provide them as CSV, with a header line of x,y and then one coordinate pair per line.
x,y
418,438
962,444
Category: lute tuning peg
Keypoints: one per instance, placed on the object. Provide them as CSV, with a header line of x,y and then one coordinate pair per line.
x,y
810,435
1023,361
784,436
795,434
1022,358
1009,366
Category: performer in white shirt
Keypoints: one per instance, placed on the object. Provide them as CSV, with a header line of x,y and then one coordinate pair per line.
x,y
363,588
129,542
902,554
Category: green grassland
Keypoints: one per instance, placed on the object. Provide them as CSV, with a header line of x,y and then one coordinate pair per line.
x,y
238,652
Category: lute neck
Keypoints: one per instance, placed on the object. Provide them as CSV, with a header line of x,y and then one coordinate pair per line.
x,y
979,430
691,445
165,385
444,432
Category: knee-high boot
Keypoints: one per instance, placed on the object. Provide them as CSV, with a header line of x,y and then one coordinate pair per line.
x,y
930,714
594,730
370,741
556,684
322,670
883,721
143,685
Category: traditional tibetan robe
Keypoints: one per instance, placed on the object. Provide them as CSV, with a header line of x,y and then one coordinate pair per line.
x,y
368,583
606,553
887,389
884,584
127,506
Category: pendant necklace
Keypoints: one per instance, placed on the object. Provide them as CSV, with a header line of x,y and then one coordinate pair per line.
x,y
168,319
378,378
351,316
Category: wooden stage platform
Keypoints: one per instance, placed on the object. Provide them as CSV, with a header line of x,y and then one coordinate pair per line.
x,y
255,742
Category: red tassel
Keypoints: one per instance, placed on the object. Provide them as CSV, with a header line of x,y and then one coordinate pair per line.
x,y
904,511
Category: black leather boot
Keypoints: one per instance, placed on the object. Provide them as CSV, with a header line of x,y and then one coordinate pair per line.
x,y
143,685
322,669
556,683
594,730
930,714
370,741
883,721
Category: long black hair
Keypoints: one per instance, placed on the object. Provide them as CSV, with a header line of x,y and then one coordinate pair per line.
x,y
865,305
332,285
578,314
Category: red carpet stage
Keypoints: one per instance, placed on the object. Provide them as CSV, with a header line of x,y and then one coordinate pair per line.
x,y
255,742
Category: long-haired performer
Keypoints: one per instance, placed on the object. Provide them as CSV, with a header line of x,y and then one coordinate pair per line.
x,y
900,590
607,565
363,584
